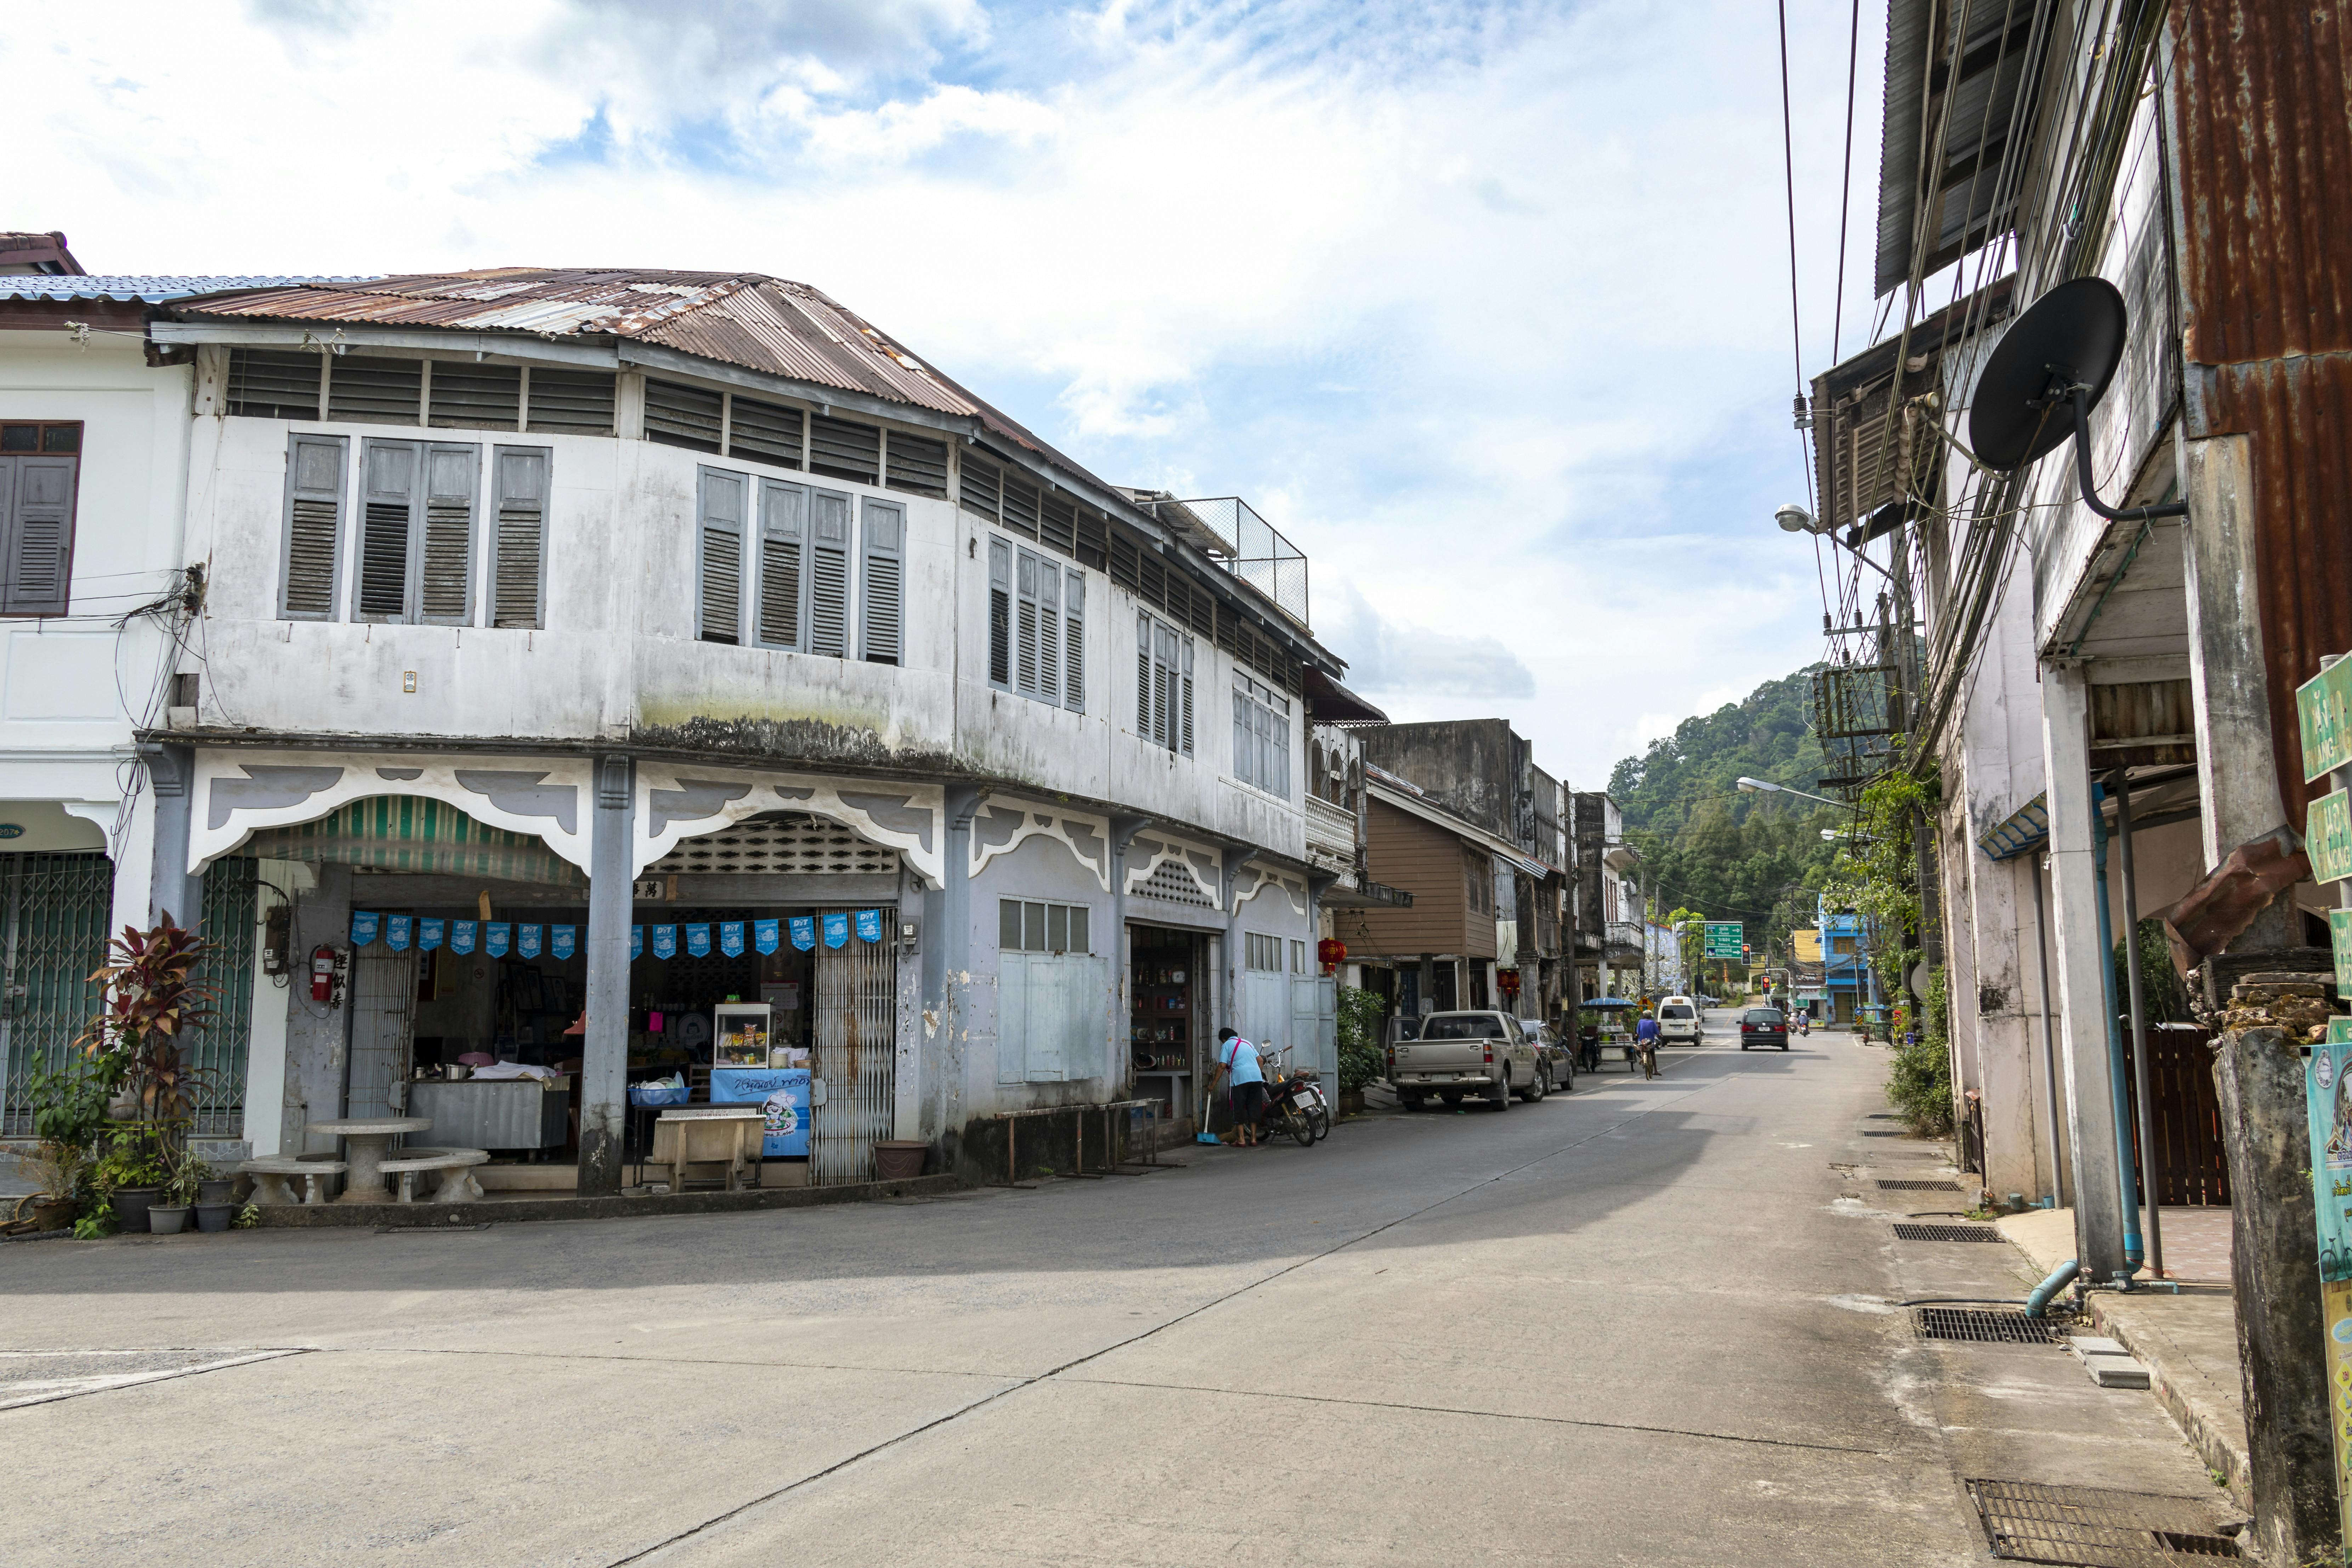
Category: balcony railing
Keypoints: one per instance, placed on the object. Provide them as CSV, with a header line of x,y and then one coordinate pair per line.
x,y
1257,552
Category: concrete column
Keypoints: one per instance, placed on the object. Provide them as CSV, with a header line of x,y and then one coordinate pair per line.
x,y
317,1034
2237,766
171,777
946,941
2081,964
604,1052
1229,1010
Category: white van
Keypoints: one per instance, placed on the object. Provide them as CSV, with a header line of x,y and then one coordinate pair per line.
x,y
1679,1019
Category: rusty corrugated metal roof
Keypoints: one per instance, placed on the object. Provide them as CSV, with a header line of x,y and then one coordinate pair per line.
x,y
741,319
2264,151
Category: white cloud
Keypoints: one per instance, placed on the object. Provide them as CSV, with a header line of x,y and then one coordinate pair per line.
x,y
1486,308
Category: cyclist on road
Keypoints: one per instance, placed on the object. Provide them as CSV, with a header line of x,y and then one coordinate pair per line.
x,y
1645,1044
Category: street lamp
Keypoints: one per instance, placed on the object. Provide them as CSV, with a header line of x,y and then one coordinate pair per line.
x,y
1770,788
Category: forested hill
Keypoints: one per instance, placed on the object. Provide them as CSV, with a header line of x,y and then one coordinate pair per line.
x,y
1752,857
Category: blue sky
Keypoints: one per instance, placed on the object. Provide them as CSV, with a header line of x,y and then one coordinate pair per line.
x,y
1486,306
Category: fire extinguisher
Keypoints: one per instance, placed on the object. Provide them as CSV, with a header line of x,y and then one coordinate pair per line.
x,y
322,974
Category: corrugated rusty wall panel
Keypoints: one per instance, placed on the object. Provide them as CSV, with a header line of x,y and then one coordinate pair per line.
x,y
2297,414
2261,102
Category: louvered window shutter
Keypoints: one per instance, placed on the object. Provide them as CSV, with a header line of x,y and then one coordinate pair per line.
x,y
389,484
1164,695
1143,678
976,486
720,592
446,568
314,527
1049,631
1074,642
1281,725
882,609
1000,613
1184,739
1026,578
829,576
783,574
1020,513
518,558
36,527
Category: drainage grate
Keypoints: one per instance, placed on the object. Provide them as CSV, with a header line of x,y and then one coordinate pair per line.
x,y
1881,1133
1947,1233
1886,1187
2091,1527
1983,1328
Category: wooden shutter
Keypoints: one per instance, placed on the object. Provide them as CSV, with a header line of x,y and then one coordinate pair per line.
x,y
1185,700
265,384
719,587
571,402
679,416
1026,586
976,487
1049,631
1165,725
445,566
829,576
314,528
1074,642
845,449
388,495
766,432
1000,613
475,397
916,463
783,575
1143,677
519,554
881,606
36,528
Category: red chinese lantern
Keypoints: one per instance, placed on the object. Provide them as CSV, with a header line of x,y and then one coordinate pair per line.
x,y
1330,952
1508,980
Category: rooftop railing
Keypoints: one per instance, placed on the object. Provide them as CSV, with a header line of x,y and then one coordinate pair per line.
x,y
1255,552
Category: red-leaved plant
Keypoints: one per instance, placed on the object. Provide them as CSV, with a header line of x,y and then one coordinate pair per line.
x,y
151,1007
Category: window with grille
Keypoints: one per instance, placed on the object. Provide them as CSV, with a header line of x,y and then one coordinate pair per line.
x,y
569,402
1261,736
779,843
1024,927
268,384
917,464
475,397
1262,952
678,416
1163,685
40,475
416,532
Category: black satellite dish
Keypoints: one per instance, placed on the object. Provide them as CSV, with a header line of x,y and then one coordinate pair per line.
x,y
2023,408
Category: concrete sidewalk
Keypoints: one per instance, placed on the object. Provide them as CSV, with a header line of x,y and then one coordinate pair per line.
x,y
2189,1341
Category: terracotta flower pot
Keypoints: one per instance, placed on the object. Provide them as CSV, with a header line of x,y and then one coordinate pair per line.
x,y
166,1219
55,1214
900,1159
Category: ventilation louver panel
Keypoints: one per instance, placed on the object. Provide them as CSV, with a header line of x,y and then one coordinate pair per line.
x,y
1176,885
310,558
723,585
572,402
265,384
917,465
376,391
843,450
977,487
679,416
1093,539
384,561
1020,512
1057,525
475,396
764,431
787,844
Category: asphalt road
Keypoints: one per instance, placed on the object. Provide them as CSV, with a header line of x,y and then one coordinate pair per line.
x,y
1627,1325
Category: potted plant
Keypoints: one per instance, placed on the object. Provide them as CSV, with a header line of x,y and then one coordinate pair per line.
x,y
63,1172
210,1193
136,1053
133,1172
168,1215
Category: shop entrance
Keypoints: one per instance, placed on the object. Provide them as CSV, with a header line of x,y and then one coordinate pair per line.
x,y
1167,1004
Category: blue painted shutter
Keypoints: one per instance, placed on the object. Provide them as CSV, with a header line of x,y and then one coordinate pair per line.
x,y
519,554
445,559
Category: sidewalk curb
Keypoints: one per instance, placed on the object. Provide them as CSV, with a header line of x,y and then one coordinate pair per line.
x,y
2219,1437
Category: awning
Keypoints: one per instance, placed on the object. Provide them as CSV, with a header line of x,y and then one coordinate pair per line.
x,y
1328,702
2024,831
411,832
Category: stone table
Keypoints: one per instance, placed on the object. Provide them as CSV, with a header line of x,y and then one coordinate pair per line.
x,y
367,1140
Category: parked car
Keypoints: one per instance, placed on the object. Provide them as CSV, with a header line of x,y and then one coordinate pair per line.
x,y
1555,1051
1463,1054
1764,1027
1679,1020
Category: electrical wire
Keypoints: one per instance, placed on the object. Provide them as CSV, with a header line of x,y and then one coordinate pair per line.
x,y
1845,183
1788,168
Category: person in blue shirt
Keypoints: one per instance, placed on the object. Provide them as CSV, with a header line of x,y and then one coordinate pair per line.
x,y
1237,1067
1645,1041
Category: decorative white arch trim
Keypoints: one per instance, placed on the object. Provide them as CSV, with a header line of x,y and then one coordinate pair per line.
x,y
680,801
106,816
1153,850
1085,834
237,793
1268,877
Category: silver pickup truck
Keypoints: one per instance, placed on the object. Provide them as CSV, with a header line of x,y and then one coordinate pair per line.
x,y
1459,1055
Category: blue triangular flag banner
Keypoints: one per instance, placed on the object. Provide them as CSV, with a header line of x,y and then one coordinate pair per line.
x,y
501,937
462,934
766,934
398,930
636,943
805,931
562,940
665,942
431,931
697,941
836,929
730,938
870,925
365,923
528,940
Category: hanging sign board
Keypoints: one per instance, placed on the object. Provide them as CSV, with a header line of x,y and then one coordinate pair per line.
x,y
1723,939
2323,705
782,1092
526,941
665,942
636,943
2327,835
497,936
730,938
397,929
2328,1096
697,941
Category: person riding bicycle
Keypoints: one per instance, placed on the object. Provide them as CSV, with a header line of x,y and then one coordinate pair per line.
x,y
1645,1044
1237,1065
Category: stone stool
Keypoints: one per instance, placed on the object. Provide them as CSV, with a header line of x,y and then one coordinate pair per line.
x,y
456,1165
269,1173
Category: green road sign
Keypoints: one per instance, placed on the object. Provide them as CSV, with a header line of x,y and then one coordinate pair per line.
x,y
2339,938
1723,939
2323,704
2327,836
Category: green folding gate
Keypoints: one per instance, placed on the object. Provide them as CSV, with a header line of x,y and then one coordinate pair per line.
x,y
53,914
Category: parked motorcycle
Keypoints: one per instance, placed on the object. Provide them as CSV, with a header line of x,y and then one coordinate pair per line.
x,y
1295,1104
